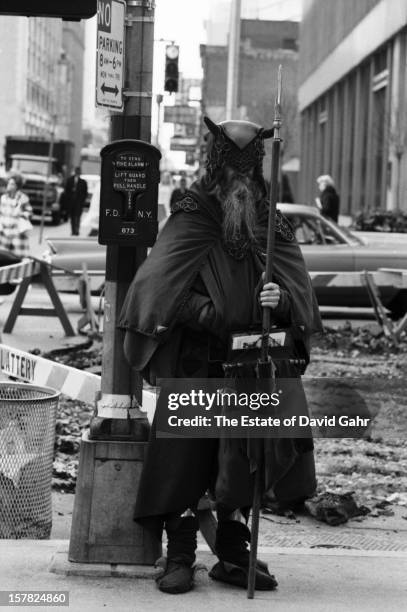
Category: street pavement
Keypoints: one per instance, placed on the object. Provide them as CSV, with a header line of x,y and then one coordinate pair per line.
x,y
358,566
309,580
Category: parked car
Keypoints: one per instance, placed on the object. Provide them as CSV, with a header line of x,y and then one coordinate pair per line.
x,y
329,248
326,248
387,239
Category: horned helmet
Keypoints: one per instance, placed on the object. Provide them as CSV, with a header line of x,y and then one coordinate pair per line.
x,y
235,143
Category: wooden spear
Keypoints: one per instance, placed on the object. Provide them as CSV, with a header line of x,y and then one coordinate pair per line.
x,y
265,366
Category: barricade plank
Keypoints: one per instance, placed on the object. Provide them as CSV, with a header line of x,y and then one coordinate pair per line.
x,y
76,384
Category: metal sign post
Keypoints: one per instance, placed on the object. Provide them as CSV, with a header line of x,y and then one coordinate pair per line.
x,y
110,54
111,456
118,417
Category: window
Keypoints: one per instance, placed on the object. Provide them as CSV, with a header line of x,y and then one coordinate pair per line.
x,y
311,230
307,230
329,233
290,43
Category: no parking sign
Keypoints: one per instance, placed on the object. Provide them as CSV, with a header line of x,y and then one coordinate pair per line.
x,y
110,54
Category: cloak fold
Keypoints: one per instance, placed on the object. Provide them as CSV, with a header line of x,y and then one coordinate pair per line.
x,y
161,286
189,245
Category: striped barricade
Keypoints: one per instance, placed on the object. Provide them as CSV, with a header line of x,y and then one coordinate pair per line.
x,y
76,384
18,271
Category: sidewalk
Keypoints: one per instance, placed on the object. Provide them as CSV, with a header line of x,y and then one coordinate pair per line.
x,y
357,566
309,580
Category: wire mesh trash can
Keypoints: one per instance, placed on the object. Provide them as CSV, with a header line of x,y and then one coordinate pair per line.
x,y
27,437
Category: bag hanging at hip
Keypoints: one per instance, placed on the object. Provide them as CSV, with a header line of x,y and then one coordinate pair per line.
x,y
244,351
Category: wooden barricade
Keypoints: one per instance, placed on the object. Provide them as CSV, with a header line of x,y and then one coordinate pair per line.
x,y
371,280
29,271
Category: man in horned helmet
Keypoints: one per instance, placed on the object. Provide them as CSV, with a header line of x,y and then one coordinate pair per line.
x,y
201,281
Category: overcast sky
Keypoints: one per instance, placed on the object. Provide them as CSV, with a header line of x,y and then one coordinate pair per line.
x,y
184,22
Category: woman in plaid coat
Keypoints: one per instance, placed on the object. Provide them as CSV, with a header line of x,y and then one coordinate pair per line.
x,y
15,213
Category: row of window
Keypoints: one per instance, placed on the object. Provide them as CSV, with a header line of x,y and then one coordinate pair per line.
x,y
40,97
346,133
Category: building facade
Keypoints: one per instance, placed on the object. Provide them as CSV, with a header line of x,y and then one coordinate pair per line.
x,y
353,101
41,70
264,45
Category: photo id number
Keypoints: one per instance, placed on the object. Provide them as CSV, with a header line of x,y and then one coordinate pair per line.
x,y
33,598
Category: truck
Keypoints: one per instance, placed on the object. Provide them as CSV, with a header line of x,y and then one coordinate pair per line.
x,y
29,157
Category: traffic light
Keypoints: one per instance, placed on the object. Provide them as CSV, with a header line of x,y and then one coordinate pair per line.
x,y
171,68
71,10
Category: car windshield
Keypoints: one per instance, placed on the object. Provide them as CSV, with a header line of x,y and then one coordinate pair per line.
x,y
32,166
312,229
355,240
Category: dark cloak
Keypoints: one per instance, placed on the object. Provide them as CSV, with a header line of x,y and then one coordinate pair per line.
x,y
177,472
161,286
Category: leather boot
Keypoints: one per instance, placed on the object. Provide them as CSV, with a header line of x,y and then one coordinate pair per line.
x,y
179,570
231,546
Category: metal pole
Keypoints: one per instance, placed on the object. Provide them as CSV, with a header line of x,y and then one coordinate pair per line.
x,y
49,172
275,162
121,386
258,482
159,99
233,60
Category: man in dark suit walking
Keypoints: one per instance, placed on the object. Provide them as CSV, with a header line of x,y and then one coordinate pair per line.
x,y
76,190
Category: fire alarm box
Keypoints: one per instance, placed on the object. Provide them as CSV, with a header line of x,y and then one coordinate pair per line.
x,y
129,193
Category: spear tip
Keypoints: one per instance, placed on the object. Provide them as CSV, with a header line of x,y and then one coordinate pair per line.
x,y
279,83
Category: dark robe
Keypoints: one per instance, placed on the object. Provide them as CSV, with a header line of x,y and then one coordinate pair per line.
x,y
330,203
189,264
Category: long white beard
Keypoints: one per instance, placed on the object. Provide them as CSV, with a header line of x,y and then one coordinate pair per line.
x,y
239,209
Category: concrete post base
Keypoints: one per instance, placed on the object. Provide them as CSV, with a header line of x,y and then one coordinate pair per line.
x,y
103,530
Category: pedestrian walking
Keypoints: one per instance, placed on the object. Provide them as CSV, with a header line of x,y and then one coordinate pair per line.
x,y
179,192
15,215
74,197
202,281
329,198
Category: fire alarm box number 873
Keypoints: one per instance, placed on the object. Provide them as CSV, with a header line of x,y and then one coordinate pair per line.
x,y
129,193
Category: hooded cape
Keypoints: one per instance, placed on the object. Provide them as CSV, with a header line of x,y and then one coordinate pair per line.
x,y
161,286
182,469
